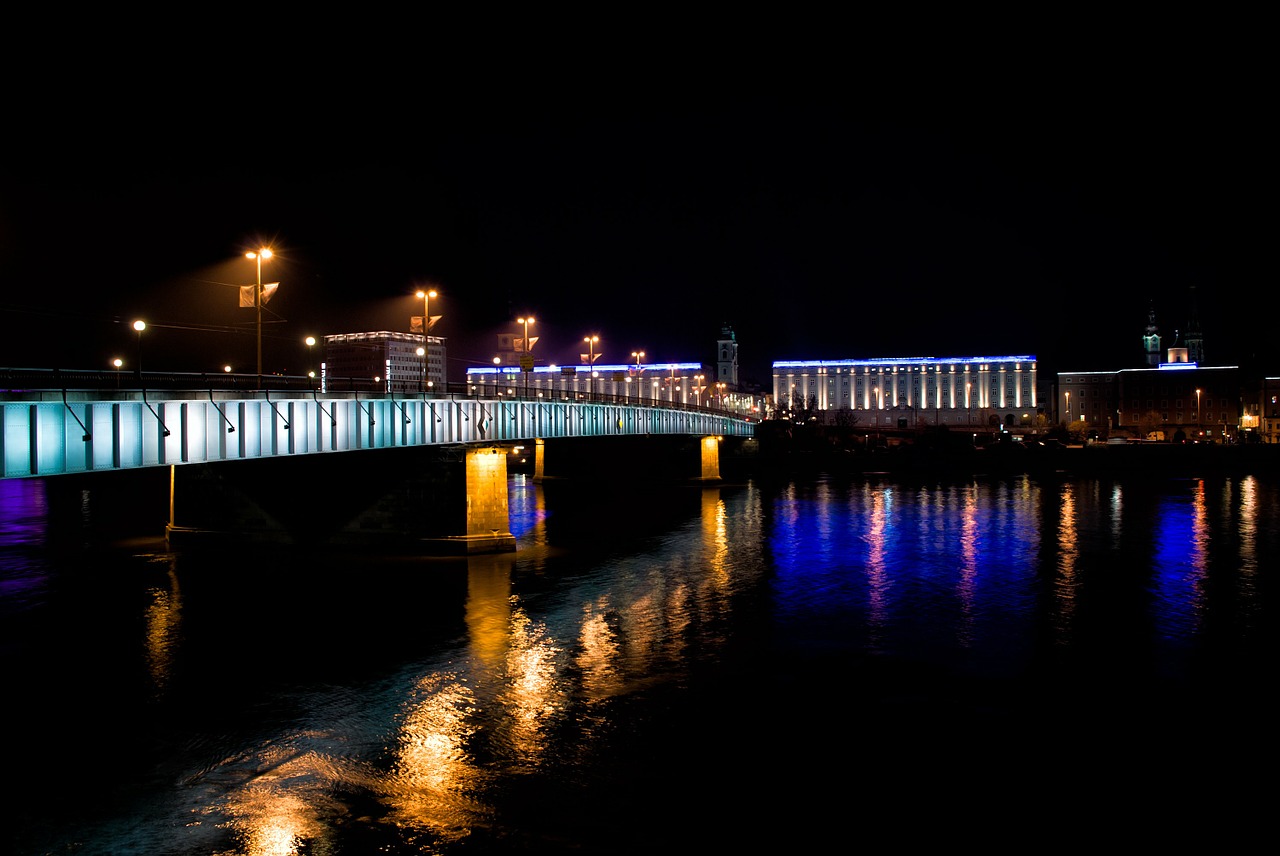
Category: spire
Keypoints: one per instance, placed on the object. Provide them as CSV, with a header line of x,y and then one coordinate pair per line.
x,y
1151,341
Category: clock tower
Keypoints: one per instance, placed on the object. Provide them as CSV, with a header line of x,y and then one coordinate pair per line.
x,y
727,358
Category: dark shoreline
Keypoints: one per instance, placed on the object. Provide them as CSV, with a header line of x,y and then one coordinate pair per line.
x,y
1184,460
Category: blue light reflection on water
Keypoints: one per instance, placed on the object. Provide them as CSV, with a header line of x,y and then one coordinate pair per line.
x,y
933,572
608,670
23,530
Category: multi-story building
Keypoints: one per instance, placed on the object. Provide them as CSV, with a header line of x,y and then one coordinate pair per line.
x,y
1177,398
911,392
1173,397
397,362
683,384
1262,414
679,384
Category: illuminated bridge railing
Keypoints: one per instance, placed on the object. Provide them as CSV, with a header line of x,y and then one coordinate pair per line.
x,y
47,432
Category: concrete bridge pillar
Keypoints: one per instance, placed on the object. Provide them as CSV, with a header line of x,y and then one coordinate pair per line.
x,y
449,500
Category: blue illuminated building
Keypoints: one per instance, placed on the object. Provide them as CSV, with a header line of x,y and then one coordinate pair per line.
x,y
910,392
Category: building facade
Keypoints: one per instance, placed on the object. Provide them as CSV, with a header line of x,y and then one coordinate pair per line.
x,y
910,391
399,362
1176,400
1262,412
678,384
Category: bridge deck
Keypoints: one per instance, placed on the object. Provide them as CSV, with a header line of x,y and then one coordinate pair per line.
x,y
54,432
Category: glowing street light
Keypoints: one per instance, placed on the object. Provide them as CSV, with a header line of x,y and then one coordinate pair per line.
x,y
139,326
720,393
1197,409
526,346
117,362
310,342
638,358
422,352
697,390
258,256
591,356
426,296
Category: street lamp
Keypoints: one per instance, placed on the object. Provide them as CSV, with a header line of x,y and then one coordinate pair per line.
x,y
1197,410
526,359
426,294
590,356
258,256
139,326
422,352
310,342
117,362
697,390
426,310
638,357
720,393
1068,409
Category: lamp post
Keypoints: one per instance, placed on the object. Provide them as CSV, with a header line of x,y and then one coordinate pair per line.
x,y
526,358
591,362
117,362
426,294
258,256
310,342
422,352
638,357
1068,409
139,326
697,390
720,393
1197,411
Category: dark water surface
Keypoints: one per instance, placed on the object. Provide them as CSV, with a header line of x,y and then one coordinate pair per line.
x,y
774,666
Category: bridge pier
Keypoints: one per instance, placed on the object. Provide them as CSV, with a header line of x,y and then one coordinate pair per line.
x,y
442,500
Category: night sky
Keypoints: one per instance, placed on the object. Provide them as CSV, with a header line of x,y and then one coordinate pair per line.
x,y
823,213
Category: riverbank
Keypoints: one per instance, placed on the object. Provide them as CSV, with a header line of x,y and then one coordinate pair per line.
x,y
1020,458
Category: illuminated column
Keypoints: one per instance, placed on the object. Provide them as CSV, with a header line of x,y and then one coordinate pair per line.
x,y
710,459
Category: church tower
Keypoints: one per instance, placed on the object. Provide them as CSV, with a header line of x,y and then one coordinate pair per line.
x,y
1151,341
727,358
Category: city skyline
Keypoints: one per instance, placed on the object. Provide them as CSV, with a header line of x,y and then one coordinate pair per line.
x,y
817,223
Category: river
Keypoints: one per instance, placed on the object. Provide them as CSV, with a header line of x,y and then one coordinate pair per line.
x,y
778,664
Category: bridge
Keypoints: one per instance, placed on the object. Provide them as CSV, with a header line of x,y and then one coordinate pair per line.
x,y
198,425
